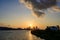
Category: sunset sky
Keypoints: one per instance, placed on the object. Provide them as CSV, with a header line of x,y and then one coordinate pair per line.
x,y
13,13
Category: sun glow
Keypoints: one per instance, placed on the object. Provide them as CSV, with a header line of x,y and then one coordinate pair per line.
x,y
31,25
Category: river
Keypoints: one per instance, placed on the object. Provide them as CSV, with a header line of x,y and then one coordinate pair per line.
x,y
17,35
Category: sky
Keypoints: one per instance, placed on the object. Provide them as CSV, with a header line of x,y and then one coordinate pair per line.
x,y
15,14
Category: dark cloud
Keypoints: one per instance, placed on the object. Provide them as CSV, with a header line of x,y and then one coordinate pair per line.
x,y
36,5
38,13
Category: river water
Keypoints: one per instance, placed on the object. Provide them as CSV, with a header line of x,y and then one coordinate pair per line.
x,y
17,35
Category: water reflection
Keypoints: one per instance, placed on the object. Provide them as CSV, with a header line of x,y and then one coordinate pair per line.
x,y
17,35
33,37
30,36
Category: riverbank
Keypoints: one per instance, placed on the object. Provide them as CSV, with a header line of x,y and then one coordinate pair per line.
x,y
50,33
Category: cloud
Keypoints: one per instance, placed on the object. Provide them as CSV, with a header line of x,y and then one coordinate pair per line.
x,y
56,8
38,13
39,6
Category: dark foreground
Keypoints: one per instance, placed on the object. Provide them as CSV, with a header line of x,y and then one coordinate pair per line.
x,y
50,33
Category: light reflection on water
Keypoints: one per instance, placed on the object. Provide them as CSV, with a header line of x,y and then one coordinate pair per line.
x,y
17,35
30,36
